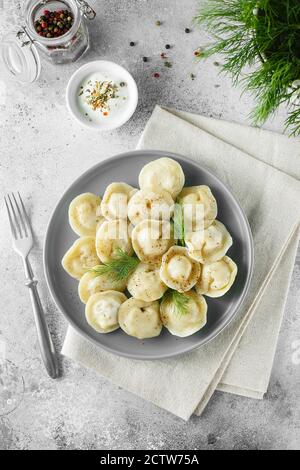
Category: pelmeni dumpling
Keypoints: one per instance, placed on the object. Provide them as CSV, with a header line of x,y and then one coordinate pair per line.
x,y
200,196
85,214
145,283
140,319
209,245
80,257
146,204
91,283
112,236
101,310
217,278
188,323
101,220
162,174
151,239
178,270
115,200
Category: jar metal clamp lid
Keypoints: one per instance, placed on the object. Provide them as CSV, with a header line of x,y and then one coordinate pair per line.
x,y
86,9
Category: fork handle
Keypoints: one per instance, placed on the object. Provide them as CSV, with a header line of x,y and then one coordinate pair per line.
x,y
44,338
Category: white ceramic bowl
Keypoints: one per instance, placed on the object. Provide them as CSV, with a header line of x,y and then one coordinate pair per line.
x,y
117,74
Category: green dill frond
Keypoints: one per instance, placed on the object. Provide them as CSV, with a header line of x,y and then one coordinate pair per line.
x,y
293,122
178,300
260,33
119,268
229,22
178,222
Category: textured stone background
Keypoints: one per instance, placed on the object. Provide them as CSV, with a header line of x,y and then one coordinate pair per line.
x,y
42,151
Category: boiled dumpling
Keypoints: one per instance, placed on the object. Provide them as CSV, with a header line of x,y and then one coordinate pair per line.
x,y
85,214
162,174
209,245
115,201
91,283
151,239
217,278
140,319
178,270
100,222
201,196
145,283
102,309
187,323
146,204
80,257
112,236
100,218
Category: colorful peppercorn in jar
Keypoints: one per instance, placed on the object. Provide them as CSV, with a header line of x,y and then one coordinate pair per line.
x,y
56,28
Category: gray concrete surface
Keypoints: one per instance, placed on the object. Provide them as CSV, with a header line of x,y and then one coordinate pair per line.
x,y
42,151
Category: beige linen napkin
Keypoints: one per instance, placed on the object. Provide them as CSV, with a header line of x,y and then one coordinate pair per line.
x,y
263,170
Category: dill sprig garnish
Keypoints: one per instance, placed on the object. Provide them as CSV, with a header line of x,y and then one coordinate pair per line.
x,y
119,268
263,33
178,222
101,93
178,300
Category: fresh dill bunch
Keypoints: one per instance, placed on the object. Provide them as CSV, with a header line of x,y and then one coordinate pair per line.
x,y
293,122
178,300
119,268
264,34
178,223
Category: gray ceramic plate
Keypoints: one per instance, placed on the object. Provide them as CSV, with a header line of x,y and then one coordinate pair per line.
x,y
59,237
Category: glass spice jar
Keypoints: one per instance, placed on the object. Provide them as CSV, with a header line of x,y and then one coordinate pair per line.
x,y
20,51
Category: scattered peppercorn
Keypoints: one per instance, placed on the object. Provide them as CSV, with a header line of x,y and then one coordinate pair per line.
x,y
168,46
158,23
52,24
187,30
217,64
156,75
132,44
193,76
145,59
122,84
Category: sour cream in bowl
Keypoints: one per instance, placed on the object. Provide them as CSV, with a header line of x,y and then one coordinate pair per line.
x,y
102,95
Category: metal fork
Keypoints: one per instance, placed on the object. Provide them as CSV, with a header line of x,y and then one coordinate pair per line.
x,y
22,241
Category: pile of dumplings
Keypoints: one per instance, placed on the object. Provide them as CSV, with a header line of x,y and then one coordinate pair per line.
x,y
126,219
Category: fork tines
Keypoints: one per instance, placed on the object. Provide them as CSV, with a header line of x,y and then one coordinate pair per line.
x,y
18,219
